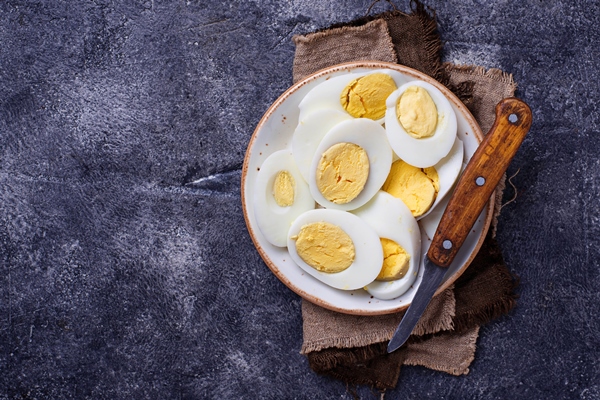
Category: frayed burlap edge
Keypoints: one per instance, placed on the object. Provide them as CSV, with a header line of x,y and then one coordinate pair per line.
x,y
414,357
493,73
304,65
326,33
503,303
493,311
345,342
444,322
438,317
434,45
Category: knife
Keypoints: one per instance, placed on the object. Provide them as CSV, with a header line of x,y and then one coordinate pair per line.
x,y
473,190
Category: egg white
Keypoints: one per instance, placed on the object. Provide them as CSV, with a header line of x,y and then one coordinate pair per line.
x,y
392,219
311,129
368,252
448,169
429,223
327,94
274,221
427,151
367,134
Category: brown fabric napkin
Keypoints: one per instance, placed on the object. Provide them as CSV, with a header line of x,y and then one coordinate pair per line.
x,y
344,44
353,348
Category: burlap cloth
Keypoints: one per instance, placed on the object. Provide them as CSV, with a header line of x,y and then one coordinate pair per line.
x,y
353,348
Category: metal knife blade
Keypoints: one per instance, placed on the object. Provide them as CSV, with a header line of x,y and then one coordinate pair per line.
x,y
432,277
473,190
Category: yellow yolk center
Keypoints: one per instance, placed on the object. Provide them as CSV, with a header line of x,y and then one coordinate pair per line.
x,y
395,261
365,97
416,187
417,112
283,189
342,172
325,247
433,177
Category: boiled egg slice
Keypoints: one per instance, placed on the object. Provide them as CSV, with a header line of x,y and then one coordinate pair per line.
x,y
335,247
311,129
350,164
422,189
392,221
448,170
359,95
280,195
420,124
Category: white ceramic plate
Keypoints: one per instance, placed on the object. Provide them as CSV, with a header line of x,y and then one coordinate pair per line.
x,y
274,132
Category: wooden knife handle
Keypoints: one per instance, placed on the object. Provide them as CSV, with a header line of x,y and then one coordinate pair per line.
x,y
480,178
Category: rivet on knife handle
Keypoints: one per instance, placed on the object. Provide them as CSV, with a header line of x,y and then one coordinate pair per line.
x,y
480,178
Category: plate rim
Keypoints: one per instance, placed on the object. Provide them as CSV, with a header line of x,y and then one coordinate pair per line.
x,y
306,80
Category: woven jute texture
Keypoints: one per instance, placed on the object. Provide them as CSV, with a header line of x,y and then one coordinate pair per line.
x,y
325,328
353,348
323,49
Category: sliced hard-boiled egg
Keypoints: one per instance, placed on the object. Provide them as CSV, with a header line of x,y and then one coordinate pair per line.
x,y
350,164
420,124
422,189
325,240
448,169
360,95
309,132
392,220
281,195
416,187
430,221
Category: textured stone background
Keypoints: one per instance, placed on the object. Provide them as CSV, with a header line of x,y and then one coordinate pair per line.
x,y
126,270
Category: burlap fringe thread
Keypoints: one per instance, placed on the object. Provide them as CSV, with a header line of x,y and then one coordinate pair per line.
x,y
492,73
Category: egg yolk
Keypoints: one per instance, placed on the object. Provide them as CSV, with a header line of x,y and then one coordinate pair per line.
x,y
395,261
342,172
433,177
365,97
416,187
325,247
283,189
417,112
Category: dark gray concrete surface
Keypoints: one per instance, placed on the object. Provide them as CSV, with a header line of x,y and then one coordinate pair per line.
x,y
126,270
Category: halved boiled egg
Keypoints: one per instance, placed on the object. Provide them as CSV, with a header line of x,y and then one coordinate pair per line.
x,y
360,95
281,195
400,240
420,123
421,189
311,129
335,247
350,164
